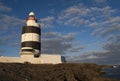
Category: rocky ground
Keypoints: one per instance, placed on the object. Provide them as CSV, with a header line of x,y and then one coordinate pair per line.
x,y
49,72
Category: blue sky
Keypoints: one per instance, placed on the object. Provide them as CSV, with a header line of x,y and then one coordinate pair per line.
x,y
80,30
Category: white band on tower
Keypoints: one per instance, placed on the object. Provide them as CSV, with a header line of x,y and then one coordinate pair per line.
x,y
30,37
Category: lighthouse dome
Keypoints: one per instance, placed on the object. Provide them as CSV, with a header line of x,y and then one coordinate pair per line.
x,y
31,13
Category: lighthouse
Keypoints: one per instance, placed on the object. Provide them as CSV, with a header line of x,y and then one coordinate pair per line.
x,y
30,51
30,38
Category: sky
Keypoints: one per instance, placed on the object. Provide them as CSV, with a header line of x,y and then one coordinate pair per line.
x,y
80,30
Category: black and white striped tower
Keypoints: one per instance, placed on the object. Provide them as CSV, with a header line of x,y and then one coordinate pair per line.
x,y
30,41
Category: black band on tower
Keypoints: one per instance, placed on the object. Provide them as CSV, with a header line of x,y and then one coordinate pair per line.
x,y
31,29
33,44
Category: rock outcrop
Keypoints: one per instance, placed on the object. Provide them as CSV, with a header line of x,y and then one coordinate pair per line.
x,y
49,72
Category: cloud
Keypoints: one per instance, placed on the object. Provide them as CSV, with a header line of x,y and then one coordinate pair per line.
x,y
52,11
8,26
92,57
81,15
109,55
77,49
7,21
2,51
56,43
4,40
47,21
50,34
100,1
102,20
15,44
88,56
109,26
4,8
73,15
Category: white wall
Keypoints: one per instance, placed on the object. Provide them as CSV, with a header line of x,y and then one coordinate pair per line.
x,y
30,59
10,60
43,59
54,59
